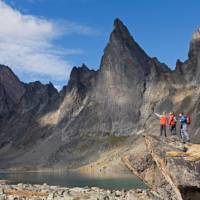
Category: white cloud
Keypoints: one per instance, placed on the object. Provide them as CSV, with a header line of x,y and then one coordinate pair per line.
x,y
75,28
27,43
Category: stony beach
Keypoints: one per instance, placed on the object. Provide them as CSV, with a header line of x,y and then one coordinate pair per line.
x,y
46,192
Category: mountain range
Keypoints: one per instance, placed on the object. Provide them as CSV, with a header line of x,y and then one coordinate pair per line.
x,y
43,128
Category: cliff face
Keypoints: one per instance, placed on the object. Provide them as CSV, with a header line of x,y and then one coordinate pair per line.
x,y
11,90
125,73
43,128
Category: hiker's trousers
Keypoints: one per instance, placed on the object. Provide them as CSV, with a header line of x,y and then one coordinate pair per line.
x,y
163,129
173,129
184,132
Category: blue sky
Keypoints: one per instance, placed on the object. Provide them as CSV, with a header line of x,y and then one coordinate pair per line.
x,y
43,39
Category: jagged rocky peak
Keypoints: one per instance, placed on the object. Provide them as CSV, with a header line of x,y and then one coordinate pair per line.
x,y
120,30
51,89
196,35
38,96
190,69
161,67
123,55
10,83
195,44
121,37
38,85
179,66
76,71
38,88
81,77
193,65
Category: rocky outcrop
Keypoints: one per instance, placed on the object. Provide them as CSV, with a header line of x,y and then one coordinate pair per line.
x,y
146,169
168,167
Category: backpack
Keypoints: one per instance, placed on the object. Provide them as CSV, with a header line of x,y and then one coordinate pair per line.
x,y
188,120
183,120
172,120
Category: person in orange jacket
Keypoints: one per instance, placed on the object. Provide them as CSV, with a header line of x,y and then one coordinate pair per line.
x,y
163,123
172,123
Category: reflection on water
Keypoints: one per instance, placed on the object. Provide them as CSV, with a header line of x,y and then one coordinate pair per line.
x,y
71,179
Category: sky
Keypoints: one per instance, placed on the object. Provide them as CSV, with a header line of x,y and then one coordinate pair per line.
x,y
43,39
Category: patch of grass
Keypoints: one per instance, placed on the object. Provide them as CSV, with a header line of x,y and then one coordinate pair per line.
x,y
116,139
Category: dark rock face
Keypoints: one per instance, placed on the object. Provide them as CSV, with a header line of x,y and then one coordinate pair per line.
x,y
36,100
82,78
11,90
120,98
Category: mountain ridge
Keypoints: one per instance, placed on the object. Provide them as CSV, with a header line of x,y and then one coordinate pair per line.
x,y
47,128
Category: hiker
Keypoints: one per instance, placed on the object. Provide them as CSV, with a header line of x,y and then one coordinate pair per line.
x,y
185,121
163,123
180,129
172,123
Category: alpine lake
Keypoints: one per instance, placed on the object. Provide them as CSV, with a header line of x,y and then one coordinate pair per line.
x,y
72,179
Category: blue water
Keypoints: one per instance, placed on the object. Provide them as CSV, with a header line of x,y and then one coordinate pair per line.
x,y
71,179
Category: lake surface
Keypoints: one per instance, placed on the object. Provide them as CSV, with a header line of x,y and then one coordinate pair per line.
x,y
71,179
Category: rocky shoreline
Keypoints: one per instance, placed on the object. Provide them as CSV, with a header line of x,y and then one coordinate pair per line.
x,y
46,192
169,168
